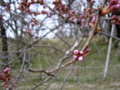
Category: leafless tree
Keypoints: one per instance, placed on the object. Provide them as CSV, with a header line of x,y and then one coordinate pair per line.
x,y
25,33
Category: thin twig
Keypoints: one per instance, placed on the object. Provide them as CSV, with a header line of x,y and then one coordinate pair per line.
x,y
67,77
41,83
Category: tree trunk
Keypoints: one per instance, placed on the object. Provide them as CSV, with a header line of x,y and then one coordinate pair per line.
x,y
4,44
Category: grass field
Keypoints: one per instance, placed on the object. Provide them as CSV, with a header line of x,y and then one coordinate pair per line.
x,y
86,75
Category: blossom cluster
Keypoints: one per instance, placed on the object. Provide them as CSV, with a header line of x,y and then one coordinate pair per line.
x,y
92,22
24,6
80,55
64,10
5,77
58,6
88,12
113,5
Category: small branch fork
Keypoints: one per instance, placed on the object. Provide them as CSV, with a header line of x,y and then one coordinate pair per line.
x,y
51,73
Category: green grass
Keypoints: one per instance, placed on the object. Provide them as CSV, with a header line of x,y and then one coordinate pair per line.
x,y
89,72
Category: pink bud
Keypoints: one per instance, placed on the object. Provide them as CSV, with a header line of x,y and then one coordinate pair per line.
x,y
76,52
6,70
72,18
118,6
113,2
114,7
75,57
81,52
80,58
114,17
66,8
83,22
72,12
75,20
93,19
82,16
87,50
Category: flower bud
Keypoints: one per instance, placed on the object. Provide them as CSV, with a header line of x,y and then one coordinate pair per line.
x,y
80,58
118,5
83,22
72,12
75,57
113,2
87,50
113,8
115,17
75,20
81,52
82,16
93,19
6,70
76,52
